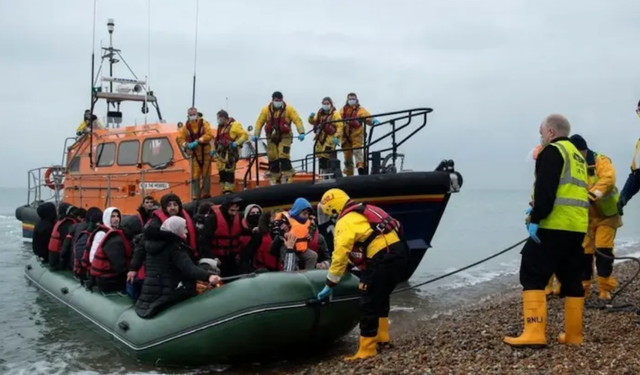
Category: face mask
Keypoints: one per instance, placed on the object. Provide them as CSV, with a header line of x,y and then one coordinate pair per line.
x,y
193,117
541,141
220,121
351,101
252,220
326,107
277,104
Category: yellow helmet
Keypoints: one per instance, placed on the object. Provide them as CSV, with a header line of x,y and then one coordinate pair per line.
x,y
333,201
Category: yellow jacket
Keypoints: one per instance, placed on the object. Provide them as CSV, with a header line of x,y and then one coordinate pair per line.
x,y
83,126
184,136
237,133
335,117
290,115
348,109
606,183
350,229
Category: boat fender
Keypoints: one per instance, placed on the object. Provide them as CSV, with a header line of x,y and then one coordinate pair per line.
x,y
64,290
28,267
123,326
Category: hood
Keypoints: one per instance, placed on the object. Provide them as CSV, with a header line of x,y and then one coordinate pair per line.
x,y
224,207
131,226
65,209
299,205
249,208
47,211
170,198
94,215
157,240
175,225
106,216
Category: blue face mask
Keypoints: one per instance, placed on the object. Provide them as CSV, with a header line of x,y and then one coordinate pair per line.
x,y
352,102
326,107
277,104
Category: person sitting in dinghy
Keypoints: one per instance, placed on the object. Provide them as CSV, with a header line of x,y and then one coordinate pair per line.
x,y
66,218
146,209
318,243
42,230
172,275
82,243
256,241
296,223
221,235
111,261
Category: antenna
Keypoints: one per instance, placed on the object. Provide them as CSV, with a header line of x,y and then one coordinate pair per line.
x,y
147,78
93,68
195,58
227,105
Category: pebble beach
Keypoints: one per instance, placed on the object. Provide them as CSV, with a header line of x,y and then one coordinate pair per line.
x,y
469,341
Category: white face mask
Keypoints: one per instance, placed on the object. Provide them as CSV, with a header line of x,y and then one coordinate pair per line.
x,y
351,101
326,107
220,121
277,104
193,117
541,141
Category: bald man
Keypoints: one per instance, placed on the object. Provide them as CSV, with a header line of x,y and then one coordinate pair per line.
x,y
557,225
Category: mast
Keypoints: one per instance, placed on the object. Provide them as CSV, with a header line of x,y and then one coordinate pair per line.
x,y
195,58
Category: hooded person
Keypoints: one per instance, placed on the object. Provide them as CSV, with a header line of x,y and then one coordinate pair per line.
x,y
82,238
66,218
604,219
75,230
221,235
42,230
110,219
295,225
256,242
171,273
112,257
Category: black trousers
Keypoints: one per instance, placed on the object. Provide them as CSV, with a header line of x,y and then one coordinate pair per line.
x,y
603,265
383,272
560,253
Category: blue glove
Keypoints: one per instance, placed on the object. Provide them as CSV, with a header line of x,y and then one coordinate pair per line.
x,y
254,138
324,292
301,137
212,152
375,122
336,141
234,144
533,232
313,114
528,211
192,145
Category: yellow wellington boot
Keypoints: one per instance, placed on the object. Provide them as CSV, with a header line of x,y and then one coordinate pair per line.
x,y
573,310
534,310
587,288
383,332
367,349
605,286
549,288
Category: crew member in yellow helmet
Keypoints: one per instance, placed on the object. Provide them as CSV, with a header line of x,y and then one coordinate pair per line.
x,y
604,219
369,238
557,225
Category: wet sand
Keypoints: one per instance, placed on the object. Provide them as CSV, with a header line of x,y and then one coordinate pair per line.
x,y
469,341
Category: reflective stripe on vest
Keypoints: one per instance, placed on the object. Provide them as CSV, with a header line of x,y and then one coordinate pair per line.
x,y
571,207
607,205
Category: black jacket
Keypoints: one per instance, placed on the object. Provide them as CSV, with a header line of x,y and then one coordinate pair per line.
x,y
548,172
42,230
63,229
167,264
67,252
114,249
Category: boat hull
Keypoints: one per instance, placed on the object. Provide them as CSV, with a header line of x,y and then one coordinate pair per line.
x,y
249,318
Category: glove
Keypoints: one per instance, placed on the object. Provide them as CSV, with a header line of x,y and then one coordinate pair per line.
x,y
254,138
234,144
528,211
326,291
301,137
192,145
336,141
375,122
312,115
212,153
533,232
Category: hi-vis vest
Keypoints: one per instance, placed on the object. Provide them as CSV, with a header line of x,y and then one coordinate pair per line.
x,y
635,163
607,204
571,208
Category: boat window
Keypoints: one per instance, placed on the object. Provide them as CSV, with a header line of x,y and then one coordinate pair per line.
x,y
182,150
128,152
156,151
105,154
74,165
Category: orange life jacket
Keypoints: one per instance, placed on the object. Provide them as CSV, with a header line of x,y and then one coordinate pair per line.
x,y
191,229
101,266
381,224
300,230
262,259
223,135
55,242
277,126
226,240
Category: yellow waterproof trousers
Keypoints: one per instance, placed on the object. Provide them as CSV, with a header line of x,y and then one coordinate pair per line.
x,y
200,173
354,139
279,155
226,164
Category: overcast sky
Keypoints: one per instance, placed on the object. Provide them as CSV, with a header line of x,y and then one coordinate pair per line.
x,y
492,70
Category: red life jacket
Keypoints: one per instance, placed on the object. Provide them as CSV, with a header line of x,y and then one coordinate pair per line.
x,y
78,253
223,135
55,243
381,224
278,125
101,266
262,259
191,229
313,243
225,240
142,222
194,135
351,112
85,262
323,127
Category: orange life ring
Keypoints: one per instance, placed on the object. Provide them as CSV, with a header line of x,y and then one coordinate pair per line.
x,y
48,178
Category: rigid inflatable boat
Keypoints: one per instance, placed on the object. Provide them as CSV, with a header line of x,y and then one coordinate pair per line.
x,y
243,319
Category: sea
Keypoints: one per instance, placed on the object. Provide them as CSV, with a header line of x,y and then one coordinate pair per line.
x,y
39,336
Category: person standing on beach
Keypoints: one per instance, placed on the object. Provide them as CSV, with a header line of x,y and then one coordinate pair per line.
x,y
632,185
604,219
557,226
